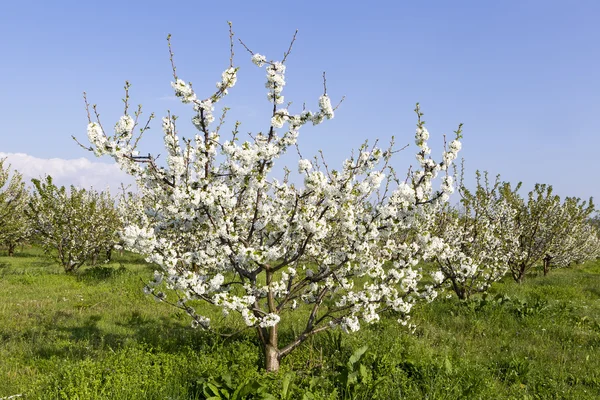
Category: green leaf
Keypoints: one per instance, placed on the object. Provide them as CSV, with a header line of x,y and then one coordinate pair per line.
x,y
357,355
210,389
246,388
352,379
287,379
226,378
364,373
448,366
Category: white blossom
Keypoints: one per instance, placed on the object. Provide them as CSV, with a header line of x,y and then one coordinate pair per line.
x,y
124,127
259,59
183,90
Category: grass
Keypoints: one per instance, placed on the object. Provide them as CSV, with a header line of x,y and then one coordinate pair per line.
x,y
95,335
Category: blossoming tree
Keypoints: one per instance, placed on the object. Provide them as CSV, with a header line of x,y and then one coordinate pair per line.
x,y
74,226
535,223
14,224
549,232
224,230
478,239
576,239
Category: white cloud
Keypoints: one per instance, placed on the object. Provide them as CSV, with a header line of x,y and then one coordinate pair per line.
x,y
80,172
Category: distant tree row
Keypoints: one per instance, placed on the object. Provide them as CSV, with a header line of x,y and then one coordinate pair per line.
x,y
73,227
495,231
491,232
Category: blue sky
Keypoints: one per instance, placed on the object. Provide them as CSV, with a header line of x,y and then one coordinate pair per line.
x,y
523,76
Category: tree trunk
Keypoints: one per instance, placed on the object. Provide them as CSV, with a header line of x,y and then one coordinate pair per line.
x,y
269,335
459,290
11,249
520,275
516,272
547,260
272,358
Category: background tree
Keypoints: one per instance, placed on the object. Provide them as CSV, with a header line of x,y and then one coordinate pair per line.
x,y
478,239
14,225
73,226
536,222
594,220
576,239
131,212
105,234
548,232
225,231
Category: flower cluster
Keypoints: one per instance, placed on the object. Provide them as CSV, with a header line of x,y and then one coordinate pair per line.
x,y
275,81
228,80
259,60
124,127
184,91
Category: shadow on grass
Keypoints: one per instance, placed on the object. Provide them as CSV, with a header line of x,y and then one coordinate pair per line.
x,y
594,291
129,258
168,334
21,254
34,269
89,338
100,273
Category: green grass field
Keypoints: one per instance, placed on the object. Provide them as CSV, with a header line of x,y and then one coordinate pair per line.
x,y
97,336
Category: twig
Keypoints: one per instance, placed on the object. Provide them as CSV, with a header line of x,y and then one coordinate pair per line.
x,y
287,53
171,57
230,44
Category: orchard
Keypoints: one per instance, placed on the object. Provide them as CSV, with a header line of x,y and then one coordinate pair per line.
x,y
342,247
237,245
